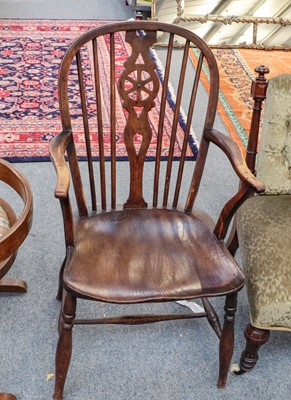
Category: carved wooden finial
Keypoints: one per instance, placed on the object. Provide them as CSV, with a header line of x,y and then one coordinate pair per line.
x,y
259,85
262,70
258,92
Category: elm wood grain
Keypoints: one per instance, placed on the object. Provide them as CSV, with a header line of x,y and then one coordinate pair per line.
x,y
138,255
144,250
19,226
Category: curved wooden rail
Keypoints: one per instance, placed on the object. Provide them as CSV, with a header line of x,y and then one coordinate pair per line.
x,y
7,396
20,227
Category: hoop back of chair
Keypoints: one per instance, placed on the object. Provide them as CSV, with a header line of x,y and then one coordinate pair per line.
x,y
132,107
274,158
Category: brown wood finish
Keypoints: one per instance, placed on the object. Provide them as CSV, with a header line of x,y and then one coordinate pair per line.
x,y
255,338
7,396
138,123
13,238
20,226
227,338
258,93
142,251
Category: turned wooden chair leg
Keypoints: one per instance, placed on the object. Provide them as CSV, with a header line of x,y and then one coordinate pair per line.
x,y
64,348
255,338
227,339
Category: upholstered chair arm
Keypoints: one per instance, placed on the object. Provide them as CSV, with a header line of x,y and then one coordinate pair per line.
x,y
58,146
234,154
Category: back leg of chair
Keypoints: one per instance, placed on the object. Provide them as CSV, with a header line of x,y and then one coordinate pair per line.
x,y
227,339
64,348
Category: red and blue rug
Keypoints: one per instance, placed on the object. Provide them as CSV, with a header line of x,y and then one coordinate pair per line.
x,y
30,56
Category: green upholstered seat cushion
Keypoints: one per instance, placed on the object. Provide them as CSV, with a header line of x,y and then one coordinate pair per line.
x,y
264,231
4,222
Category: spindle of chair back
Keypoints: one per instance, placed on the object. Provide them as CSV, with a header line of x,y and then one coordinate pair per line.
x,y
139,88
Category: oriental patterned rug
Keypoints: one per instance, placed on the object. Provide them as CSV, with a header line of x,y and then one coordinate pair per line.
x,y
236,70
30,56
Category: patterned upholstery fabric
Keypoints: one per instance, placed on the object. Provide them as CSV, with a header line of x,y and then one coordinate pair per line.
x,y
4,222
264,230
264,221
274,158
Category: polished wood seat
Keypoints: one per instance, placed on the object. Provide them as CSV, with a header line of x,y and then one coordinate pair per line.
x,y
151,248
139,255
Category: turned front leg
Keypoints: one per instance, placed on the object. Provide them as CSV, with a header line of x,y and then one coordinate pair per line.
x,y
227,339
64,348
255,338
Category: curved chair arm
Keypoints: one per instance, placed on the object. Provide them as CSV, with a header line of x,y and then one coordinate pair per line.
x,y
58,146
12,239
232,151
228,211
249,182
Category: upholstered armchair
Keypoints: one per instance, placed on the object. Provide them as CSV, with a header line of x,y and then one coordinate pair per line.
x,y
264,221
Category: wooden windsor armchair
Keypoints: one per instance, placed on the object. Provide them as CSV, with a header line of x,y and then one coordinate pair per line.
x,y
141,251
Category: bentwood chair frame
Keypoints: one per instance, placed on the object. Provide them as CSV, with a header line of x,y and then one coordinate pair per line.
x,y
135,213
16,234
19,226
